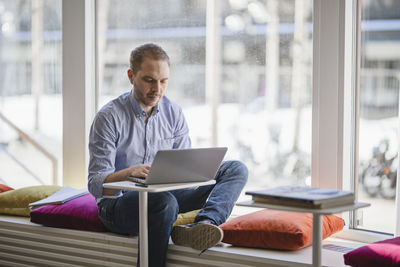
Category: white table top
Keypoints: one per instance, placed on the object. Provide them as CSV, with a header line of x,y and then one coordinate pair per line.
x,y
128,185
332,210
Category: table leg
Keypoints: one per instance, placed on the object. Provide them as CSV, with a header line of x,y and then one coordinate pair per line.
x,y
317,240
143,237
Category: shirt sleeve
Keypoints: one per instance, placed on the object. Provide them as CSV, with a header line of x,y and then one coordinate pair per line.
x,y
182,139
102,151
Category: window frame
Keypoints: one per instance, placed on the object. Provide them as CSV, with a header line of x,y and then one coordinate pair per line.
x,y
78,76
335,96
336,105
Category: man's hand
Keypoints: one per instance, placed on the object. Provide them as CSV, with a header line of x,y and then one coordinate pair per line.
x,y
140,170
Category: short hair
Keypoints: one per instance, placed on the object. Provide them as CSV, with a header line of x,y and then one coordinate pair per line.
x,y
149,50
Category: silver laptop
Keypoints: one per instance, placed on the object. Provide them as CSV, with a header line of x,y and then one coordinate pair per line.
x,y
183,166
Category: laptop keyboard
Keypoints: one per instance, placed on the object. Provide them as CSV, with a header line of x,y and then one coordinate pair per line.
x,y
137,180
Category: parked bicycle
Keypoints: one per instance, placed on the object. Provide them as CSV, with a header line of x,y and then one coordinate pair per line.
x,y
379,177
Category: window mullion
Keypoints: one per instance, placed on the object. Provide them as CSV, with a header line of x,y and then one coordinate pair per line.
x,y
213,64
77,76
332,43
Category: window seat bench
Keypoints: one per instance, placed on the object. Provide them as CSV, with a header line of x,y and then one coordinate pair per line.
x,y
23,243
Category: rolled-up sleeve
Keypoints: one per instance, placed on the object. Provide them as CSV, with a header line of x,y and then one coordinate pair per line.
x,y
102,151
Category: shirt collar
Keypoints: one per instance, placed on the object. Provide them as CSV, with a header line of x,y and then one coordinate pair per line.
x,y
138,110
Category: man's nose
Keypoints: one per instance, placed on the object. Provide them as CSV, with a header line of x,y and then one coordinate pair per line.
x,y
157,86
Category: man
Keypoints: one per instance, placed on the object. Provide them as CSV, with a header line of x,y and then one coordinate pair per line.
x,y
124,138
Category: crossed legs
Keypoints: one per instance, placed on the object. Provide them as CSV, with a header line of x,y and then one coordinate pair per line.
x,y
120,215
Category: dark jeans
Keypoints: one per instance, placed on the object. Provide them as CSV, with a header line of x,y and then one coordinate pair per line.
x,y
216,202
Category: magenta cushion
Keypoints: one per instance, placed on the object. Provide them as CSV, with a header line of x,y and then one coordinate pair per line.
x,y
382,254
79,213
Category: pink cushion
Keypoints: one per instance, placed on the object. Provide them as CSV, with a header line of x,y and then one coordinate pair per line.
x,y
79,213
382,254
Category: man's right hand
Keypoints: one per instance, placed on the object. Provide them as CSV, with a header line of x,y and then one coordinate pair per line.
x,y
140,170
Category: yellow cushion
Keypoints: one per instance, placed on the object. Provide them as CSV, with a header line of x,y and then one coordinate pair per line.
x,y
15,202
186,218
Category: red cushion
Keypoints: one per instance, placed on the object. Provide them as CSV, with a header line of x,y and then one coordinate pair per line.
x,y
79,213
276,229
383,254
5,188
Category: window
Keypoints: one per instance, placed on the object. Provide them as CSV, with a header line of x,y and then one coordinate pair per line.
x,y
241,70
30,92
265,97
379,117
177,26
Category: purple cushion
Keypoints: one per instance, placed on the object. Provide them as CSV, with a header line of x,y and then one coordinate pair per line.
x,y
79,213
382,254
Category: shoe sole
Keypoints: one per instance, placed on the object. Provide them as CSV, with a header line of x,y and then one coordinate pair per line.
x,y
200,236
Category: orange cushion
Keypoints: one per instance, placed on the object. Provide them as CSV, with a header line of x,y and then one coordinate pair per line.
x,y
276,229
4,188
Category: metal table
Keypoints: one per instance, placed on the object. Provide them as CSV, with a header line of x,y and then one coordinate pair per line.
x,y
143,227
317,221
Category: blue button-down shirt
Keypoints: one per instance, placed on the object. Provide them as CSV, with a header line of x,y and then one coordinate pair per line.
x,y
122,136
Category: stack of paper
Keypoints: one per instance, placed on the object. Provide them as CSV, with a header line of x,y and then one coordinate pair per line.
x,y
304,197
63,195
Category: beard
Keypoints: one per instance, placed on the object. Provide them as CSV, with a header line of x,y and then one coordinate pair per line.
x,y
147,99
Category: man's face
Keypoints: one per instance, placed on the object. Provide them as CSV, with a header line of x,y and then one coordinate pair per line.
x,y
150,82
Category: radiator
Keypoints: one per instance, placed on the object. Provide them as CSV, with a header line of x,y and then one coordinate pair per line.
x,y
24,244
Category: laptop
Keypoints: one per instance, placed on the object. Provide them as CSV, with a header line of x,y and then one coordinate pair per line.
x,y
183,166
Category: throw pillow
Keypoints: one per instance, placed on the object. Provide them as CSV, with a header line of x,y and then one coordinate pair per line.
x,y
383,254
5,188
276,229
186,218
79,213
15,202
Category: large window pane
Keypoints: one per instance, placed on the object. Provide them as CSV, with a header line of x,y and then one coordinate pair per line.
x,y
177,26
260,102
265,98
30,92
378,125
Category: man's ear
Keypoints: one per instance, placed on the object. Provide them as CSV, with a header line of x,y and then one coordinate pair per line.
x,y
131,76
